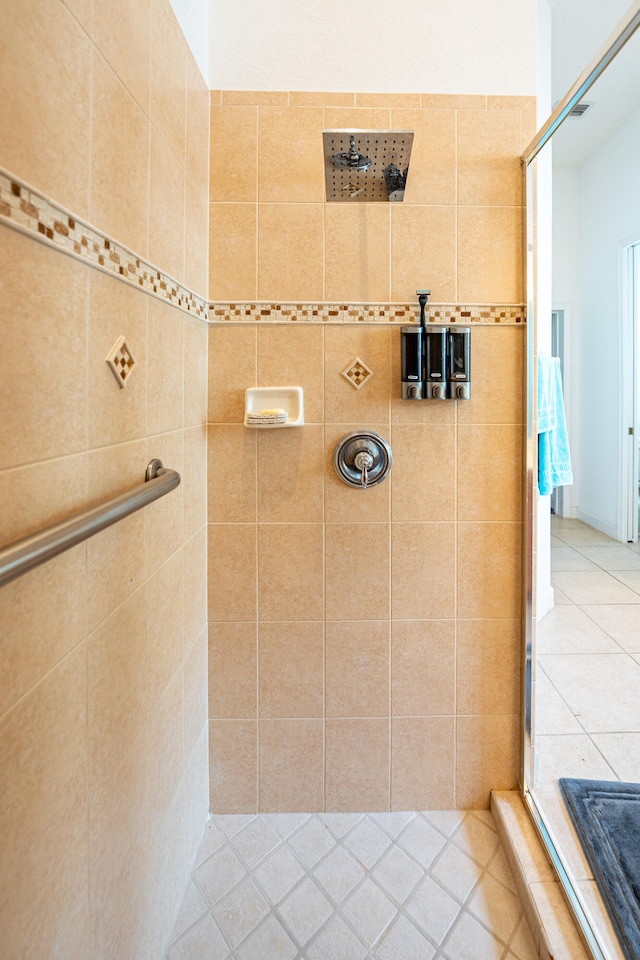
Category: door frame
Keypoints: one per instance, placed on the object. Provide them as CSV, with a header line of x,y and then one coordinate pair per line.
x,y
629,402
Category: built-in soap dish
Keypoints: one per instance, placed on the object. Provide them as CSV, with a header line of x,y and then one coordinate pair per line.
x,y
269,407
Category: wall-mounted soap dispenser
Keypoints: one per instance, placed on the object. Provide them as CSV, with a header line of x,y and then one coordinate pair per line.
x,y
459,365
436,361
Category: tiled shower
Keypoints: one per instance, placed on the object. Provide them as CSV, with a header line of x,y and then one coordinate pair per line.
x,y
363,646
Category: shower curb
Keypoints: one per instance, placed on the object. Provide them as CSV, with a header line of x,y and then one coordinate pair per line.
x,y
554,931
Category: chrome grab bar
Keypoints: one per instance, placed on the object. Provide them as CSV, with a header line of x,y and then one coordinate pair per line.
x,y
26,554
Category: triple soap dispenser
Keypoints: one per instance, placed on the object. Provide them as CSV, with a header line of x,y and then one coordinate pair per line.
x,y
436,361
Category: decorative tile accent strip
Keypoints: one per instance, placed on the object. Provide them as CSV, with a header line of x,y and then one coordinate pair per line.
x,y
448,313
121,361
357,373
24,208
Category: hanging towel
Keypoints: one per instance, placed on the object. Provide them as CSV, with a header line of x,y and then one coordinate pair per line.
x,y
554,460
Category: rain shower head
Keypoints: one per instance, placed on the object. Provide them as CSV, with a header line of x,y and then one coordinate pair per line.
x,y
366,165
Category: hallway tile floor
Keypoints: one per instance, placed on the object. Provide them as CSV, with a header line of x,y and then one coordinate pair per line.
x,y
587,700
381,886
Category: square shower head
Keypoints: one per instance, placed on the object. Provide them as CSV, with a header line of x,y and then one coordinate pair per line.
x,y
366,165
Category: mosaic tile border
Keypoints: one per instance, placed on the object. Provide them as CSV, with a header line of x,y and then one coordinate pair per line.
x,y
24,208
365,313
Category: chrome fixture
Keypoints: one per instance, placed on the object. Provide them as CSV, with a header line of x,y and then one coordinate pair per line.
x,y
366,165
26,554
362,459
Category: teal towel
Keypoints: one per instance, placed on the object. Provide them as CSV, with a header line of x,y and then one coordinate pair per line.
x,y
554,459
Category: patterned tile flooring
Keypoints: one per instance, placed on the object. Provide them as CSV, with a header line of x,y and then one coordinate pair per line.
x,y
380,886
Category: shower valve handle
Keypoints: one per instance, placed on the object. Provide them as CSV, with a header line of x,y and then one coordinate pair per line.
x,y
363,461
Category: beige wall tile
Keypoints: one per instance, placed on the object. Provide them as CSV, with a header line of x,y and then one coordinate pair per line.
x,y
163,518
231,475
423,564
197,126
290,476
343,403
194,555
315,99
232,251
293,355
215,97
510,103
229,379
196,238
422,668
495,399
196,344
44,813
290,669
168,77
357,668
42,618
165,750
116,558
432,167
290,237
119,141
344,503
422,767
453,101
489,147
195,698
489,570
423,483
116,309
290,571
357,237
291,766
488,667
232,571
357,571
118,712
165,374
167,861
290,159
194,477
234,154
121,31
357,118
423,252
50,107
490,470
262,98
41,494
119,840
490,251
42,411
357,765
487,750
165,605
406,100
233,752
166,209
233,677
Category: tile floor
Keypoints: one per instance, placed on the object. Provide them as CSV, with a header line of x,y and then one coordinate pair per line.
x,y
587,701
388,886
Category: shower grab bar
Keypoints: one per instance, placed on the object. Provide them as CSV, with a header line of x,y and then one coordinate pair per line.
x,y
27,554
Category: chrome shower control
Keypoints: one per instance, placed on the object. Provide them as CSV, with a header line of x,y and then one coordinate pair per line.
x,y
362,459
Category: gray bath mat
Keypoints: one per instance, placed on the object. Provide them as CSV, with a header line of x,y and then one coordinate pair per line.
x,y
606,816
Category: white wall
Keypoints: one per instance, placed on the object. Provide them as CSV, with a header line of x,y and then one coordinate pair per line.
x,y
415,46
609,217
193,17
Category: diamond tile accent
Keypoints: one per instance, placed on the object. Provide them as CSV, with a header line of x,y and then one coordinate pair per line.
x,y
383,886
121,361
357,373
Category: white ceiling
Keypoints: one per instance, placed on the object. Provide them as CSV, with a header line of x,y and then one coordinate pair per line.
x,y
579,29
